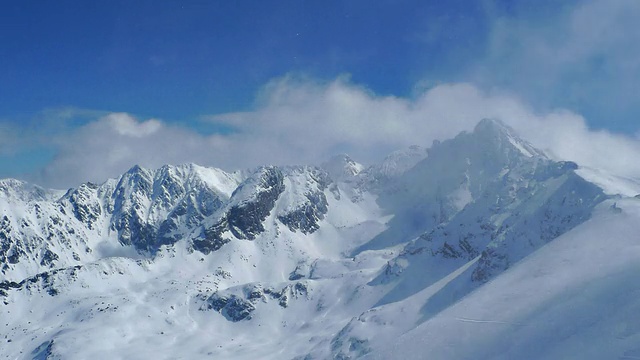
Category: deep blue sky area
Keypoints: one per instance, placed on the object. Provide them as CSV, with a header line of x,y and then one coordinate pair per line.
x,y
181,60
177,60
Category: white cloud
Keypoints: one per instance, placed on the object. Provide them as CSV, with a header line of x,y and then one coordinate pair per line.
x,y
304,121
111,144
125,125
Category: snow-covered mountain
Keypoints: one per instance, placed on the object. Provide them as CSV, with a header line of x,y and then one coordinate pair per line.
x,y
477,247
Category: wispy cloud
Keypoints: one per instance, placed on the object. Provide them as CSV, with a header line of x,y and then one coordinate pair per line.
x,y
9,139
580,57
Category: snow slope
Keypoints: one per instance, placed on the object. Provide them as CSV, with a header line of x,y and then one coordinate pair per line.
x,y
575,298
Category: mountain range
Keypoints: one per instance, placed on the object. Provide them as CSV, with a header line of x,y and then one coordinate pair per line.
x,y
477,247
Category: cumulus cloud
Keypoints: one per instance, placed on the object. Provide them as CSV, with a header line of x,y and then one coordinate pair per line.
x,y
299,121
125,125
110,145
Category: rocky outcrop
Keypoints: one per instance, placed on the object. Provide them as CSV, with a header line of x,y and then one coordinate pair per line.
x,y
311,204
212,238
245,218
232,307
85,204
239,305
564,207
44,281
249,206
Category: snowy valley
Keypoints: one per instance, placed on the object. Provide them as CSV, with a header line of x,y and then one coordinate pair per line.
x,y
478,247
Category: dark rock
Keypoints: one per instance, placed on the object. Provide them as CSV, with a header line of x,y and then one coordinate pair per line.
x,y
6,286
255,294
245,219
134,186
283,300
307,216
44,351
301,289
10,252
46,280
567,207
232,307
191,210
84,203
290,291
298,273
211,239
48,258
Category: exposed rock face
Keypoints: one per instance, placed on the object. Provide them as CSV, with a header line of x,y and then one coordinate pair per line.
x,y
239,305
567,206
36,232
85,204
245,218
212,238
471,196
288,292
306,217
150,208
232,307
44,351
147,209
129,208
256,199
311,203
249,206
45,281
9,253
194,207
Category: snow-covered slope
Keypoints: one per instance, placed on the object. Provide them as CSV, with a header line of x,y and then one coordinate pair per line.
x,y
303,262
576,298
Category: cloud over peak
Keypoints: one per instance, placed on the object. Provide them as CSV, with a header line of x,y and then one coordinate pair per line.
x,y
301,120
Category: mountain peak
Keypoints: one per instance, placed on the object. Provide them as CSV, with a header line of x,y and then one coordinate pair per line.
x,y
496,132
342,167
135,169
494,126
400,161
18,189
492,122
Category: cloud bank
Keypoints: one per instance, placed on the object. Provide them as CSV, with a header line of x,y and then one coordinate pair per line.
x,y
301,121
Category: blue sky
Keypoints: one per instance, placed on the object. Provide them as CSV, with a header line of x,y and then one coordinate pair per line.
x,y
67,64
179,59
